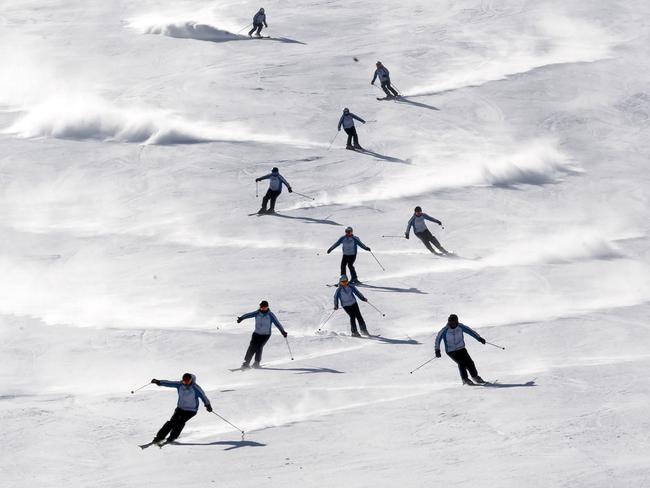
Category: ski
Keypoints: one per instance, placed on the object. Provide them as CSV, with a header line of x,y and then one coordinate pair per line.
x,y
239,369
148,444
263,213
163,444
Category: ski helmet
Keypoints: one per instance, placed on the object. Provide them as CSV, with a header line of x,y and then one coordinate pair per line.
x,y
348,229
418,209
346,110
264,304
453,319
343,278
275,170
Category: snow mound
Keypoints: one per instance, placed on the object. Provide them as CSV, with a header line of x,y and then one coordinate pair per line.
x,y
193,30
93,118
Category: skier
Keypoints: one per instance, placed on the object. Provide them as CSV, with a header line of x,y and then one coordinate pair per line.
x,y
349,243
188,404
384,78
452,335
258,19
264,318
422,232
345,294
347,121
275,188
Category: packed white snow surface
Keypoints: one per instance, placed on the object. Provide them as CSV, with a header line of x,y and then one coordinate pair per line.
x,y
131,135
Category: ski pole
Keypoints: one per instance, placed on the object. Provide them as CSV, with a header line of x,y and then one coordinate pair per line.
x,y
382,313
327,319
230,423
495,345
423,364
373,255
245,27
289,347
303,195
401,237
332,141
138,389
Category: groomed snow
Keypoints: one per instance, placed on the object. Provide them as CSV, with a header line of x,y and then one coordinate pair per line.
x,y
131,135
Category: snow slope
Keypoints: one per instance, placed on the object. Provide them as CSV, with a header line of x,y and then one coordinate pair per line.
x,y
131,135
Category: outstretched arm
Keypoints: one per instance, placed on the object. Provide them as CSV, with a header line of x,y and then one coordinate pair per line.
x,y
337,297
431,219
246,316
265,177
358,118
335,245
473,333
169,384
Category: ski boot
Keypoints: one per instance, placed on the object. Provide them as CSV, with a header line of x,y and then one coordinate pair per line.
x,y
261,211
479,380
355,334
245,365
468,382
349,147
365,332
256,365
358,147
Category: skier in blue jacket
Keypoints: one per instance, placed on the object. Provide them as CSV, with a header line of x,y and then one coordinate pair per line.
x,y
345,295
452,335
264,319
349,243
189,394
384,78
347,122
259,19
276,180
417,221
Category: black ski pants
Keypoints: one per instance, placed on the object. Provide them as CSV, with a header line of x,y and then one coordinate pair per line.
x,y
355,314
256,347
174,426
427,238
388,90
462,358
257,27
348,260
353,138
271,195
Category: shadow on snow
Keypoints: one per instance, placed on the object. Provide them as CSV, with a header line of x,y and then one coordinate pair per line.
x,y
307,220
511,385
393,289
232,444
305,370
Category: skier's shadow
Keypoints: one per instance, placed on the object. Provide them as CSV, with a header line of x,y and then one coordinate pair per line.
x,y
388,340
305,370
384,157
394,289
307,220
416,104
511,385
232,444
286,40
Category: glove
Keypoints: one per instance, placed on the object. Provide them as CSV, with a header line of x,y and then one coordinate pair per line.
x,y
372,82
238,320
329,251
481,340
438,353
155,381
364,299
440,224
257,179
406,235
284,334
208,407
336,308
290,190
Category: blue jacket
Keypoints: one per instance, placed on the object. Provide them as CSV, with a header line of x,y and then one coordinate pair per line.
x,y
345,295
382,73
263,321
259,18
347,120
276,181
188,395
349,245
453,338
419,224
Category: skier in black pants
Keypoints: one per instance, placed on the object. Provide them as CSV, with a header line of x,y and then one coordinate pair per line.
x,y
264,319
384,78
452,335
417,221
345,294
347,121
188,404
349,243
259,19
276,180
